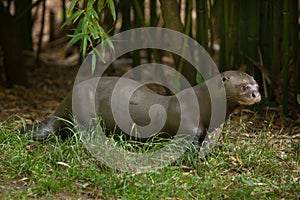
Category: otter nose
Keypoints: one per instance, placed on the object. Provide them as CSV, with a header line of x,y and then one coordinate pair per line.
x,y
255,95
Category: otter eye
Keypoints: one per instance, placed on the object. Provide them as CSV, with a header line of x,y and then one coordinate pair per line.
x,y
224,79
244,88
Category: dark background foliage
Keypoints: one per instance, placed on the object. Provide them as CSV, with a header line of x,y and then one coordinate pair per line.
x,y
261,37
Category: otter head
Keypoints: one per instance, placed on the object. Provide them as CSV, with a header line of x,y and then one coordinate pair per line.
x,y
240,88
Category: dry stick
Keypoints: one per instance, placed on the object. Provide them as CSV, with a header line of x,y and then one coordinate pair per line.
x,y
260,67
263,74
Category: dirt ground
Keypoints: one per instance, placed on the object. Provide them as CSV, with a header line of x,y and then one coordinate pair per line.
x,y
49,79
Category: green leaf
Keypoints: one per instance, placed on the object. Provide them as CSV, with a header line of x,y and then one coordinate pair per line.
x,y
90,4
245,180
99,55
176,83
78,30
102,55
73,3
89,31
75,38
100,6
73,17
298,98
94,13
111,6
110,44
199,78
84,46
77,16
93,62
107,40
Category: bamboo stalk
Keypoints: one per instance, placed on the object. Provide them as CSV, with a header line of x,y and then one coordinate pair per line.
x,y
152,23
183,65
219,14
265,31
124,5
41,31
295,43
63,6
286,55
139,21
276,37
243,30
153,13
211,28
226,44
180,5
188,18
252,42
139,13
234,58
202,23
137,7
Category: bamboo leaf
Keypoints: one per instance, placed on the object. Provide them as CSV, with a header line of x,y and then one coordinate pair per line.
x,y
73,3
90,4
94,33
74,17
84,46
89,31
94,14
100,6
79,27
75,38
109,42
93,62
199,78
111,6
99,54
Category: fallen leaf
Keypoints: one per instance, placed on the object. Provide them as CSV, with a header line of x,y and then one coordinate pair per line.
x,y
64,164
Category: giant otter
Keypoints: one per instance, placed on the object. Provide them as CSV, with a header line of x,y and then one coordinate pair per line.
x,y
240,88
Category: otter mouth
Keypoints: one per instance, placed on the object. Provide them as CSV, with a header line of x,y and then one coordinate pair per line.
x,y
250,101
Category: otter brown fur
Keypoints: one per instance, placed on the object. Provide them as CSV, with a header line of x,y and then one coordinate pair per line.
x,y
240,88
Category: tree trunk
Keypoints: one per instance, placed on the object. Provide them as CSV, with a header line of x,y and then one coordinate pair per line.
x,y
171,17
13,65
24,23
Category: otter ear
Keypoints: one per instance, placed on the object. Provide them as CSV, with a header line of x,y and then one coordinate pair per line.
x,y
224,79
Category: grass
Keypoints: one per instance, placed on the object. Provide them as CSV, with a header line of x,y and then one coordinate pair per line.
x,y
251,161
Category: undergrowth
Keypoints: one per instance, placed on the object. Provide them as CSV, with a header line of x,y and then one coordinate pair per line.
x,y
247,163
